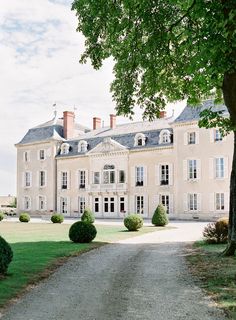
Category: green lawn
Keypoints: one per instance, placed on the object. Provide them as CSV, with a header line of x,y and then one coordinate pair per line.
x,y
39,248
217,274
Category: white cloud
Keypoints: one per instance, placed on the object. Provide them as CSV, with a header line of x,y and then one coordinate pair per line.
x,y
40,50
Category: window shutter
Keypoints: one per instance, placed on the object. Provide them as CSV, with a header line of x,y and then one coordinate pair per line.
x,y
185,168
197,137
185,199
68,180
59,205
59,180
132,204
145,205
198,169
226,199
46,178
23,180
171,203
45,201
68,206
86,179
37,203
171,174
157,174
199,202
212,133
145,176
212,202
226,169
30,178
185,138
211,168
132,176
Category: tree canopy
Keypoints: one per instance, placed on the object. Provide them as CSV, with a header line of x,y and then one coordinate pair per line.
x,y
163,50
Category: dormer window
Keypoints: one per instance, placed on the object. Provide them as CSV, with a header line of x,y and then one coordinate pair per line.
x,y
139,139
83,146
65,148
165,137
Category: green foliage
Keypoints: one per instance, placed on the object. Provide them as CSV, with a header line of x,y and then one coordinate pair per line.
x,y
88,216
133,222
82,232
57,218
160,217
6,255
24,217
2,215
163,51
216,232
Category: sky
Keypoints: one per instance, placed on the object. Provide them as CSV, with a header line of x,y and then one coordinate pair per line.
x,y
40,51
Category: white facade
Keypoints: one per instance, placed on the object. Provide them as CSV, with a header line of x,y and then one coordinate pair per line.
x,y
125,169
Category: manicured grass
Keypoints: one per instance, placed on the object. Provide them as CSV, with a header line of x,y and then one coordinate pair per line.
x,y
217,274
39,247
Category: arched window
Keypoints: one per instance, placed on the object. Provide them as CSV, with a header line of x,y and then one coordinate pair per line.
x,y
82,146
139,139
109,174
65,147
165,137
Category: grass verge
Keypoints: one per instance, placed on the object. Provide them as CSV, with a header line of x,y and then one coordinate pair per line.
x,y
39,248
217,274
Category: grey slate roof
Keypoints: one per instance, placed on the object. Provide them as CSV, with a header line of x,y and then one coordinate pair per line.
x,y
43,134
191,113
127,140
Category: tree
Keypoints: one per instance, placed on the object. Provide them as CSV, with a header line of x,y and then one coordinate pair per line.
x,y
165,51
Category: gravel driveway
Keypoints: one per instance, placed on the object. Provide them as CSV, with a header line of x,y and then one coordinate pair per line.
x,y
139,278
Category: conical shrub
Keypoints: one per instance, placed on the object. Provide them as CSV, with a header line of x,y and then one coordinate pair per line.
x,y
160,217
88,216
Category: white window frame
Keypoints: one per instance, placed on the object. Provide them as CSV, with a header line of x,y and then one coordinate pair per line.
x,y
26,156
96,177
139,204
164,199
217,135
42,200
97,205
64,180
139,139
192,202
82,179
192,169
139,176
109,204
220,168
65,147
64,205
109,174
164,174
27,203
42,154
220,201
81,204
27,179
121,176
83,146
122,204
165,137
42,178
192,137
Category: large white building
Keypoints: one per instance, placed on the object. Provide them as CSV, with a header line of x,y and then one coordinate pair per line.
x,y
65,167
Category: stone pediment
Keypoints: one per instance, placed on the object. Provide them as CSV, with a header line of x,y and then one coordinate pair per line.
x,y
108,145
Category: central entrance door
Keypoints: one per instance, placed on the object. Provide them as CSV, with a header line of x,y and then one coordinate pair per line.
x,y
109,205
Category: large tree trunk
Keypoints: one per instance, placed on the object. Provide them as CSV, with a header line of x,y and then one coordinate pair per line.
x,y
229,91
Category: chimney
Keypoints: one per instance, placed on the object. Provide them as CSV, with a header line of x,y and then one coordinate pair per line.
x,y
69,124
162,114
96,123
112,121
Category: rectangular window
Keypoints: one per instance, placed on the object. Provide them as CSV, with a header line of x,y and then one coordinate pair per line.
x,y
81,205
164,175
108,176
64,205
122,204
96,205
192,201
42,178
82,179
191,137
26,157
139,204
27,203
64,180
41,154
27,179
42,203
192,169
219,201
121,176
165,200
217,135
96,177
109,205
139,176
219,167
106,204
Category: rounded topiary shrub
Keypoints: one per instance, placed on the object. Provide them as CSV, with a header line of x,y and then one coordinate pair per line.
x,y
6,255
160,217
24,217
216,232
82,232
57,218
133,222
2,216
88,216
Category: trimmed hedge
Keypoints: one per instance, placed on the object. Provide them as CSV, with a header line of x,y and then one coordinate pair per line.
x,y
57,218
216,232
24,217
88,216
2,216
6,256
82,232
160,218
133,222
